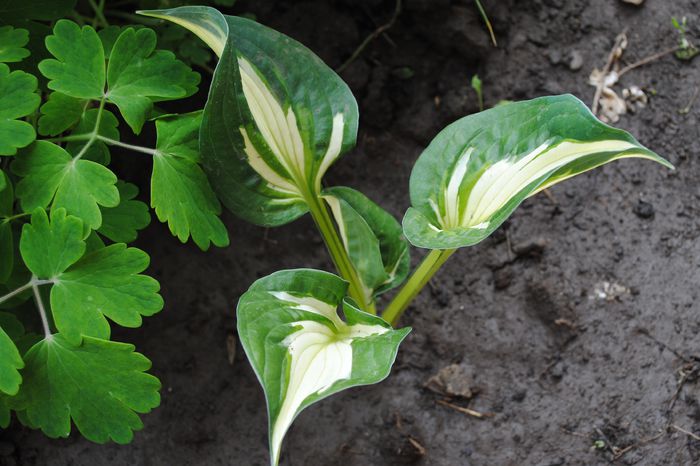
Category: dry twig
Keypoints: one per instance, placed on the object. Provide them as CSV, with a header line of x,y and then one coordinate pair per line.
x,y
467,411
687,432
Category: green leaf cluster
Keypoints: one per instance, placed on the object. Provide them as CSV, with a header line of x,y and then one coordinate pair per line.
x,y
67,274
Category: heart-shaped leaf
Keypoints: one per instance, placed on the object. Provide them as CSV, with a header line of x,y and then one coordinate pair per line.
x,y
373,239
277,117
475,173
302,351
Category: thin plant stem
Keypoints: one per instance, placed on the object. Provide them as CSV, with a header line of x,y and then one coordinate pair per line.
x,y
14,293
421,276
337,251
31,283
42,310
93,135
99,12
485,17
113,142
15,217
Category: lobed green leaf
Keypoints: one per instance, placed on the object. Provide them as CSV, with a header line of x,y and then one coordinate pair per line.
x,y
50,246
104,284
10,364
59,113
79,67
12,42
52,177
138,75
18,98
100,385
180,192
6,236
122,223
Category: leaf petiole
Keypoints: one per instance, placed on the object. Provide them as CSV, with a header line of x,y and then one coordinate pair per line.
x,y
10,218
34,282
335,247
42,310
421,276
99,13
113,142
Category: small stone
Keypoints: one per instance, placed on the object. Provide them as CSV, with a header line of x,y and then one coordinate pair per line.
x,y
519,395
575,60
644,210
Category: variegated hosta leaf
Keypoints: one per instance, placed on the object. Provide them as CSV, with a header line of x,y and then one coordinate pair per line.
x,y
373,239
277,117
302,351
475,173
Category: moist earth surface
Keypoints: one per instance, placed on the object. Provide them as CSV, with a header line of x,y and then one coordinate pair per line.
x,y
574,330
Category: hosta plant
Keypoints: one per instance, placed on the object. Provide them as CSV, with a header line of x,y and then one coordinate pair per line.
x,y
68,92
276,119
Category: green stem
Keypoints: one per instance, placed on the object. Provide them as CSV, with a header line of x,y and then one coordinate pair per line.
x,y
30,284
420,277
335,247
99,13
42,309
113,142
90,137
485,17
15,217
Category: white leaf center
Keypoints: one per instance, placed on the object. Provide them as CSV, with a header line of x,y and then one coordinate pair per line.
x,y
320,357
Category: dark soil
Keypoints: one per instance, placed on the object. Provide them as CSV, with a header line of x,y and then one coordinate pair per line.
x,y
576,325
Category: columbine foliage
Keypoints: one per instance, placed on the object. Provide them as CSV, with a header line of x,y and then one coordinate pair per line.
x,y
66,217
277,118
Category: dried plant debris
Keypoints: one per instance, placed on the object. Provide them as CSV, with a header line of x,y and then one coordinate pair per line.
x,y
609,291
608,105
454,381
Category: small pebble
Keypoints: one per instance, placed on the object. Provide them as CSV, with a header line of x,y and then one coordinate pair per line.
x,y
644,210
575,60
